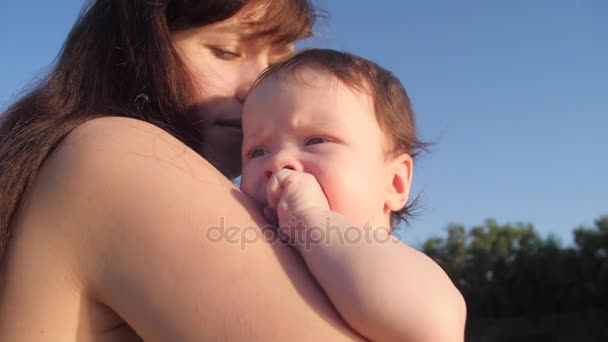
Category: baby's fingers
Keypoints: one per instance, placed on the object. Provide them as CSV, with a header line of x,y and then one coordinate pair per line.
x,y
273,192
275,187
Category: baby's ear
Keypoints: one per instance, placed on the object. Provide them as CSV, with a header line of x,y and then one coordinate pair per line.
x,y
401,169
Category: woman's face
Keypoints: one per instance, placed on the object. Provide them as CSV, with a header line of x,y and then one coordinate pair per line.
x,y
224,60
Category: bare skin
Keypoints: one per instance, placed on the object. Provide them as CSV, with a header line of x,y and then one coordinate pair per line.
x,y
106,248
314,153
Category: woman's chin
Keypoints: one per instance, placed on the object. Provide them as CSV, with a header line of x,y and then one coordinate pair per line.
x,y
222,148
228,167
231,171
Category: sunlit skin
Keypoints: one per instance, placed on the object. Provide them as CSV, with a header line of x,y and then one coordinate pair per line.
x,y
224,60
110,241
317,125
314,155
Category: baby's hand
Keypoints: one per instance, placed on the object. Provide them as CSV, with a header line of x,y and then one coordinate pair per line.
x,y
291,195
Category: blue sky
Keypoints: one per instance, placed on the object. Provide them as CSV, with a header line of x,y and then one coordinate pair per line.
x,y
514,93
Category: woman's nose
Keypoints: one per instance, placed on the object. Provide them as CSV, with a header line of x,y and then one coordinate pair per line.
x,y
282,163
253,70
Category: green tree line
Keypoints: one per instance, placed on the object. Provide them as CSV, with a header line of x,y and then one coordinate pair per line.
x,y
520,286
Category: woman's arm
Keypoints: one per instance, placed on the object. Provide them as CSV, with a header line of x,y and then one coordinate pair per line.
x,y
161,239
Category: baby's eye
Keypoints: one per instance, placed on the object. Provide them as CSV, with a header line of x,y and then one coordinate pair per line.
x,y
224,54
315,140
257,152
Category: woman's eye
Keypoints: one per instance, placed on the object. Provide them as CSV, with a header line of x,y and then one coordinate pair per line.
x,y
225,54
258,152
315,140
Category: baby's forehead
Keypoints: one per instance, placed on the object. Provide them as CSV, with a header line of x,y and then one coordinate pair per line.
x,y
314,76
299,81
309,88
331,98
310,96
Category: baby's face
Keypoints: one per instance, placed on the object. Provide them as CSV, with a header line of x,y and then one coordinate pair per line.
x,y
317,125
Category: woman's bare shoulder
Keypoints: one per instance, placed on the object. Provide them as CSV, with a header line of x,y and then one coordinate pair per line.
x,y
124,177
162,236
119,137
117,156
116,126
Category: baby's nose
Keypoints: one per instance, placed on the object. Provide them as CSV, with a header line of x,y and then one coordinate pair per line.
x,y
283,163
269,173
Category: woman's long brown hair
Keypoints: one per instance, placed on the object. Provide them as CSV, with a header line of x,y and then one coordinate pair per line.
x,y
118,60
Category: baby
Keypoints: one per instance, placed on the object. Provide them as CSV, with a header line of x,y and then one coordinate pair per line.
x,y
328,147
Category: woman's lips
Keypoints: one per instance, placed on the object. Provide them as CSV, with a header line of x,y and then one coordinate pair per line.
x,y
236,123
230,127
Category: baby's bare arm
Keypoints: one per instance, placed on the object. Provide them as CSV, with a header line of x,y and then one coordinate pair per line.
x,y
384,289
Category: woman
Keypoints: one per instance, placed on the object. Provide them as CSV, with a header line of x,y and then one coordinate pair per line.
x,y
107,206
